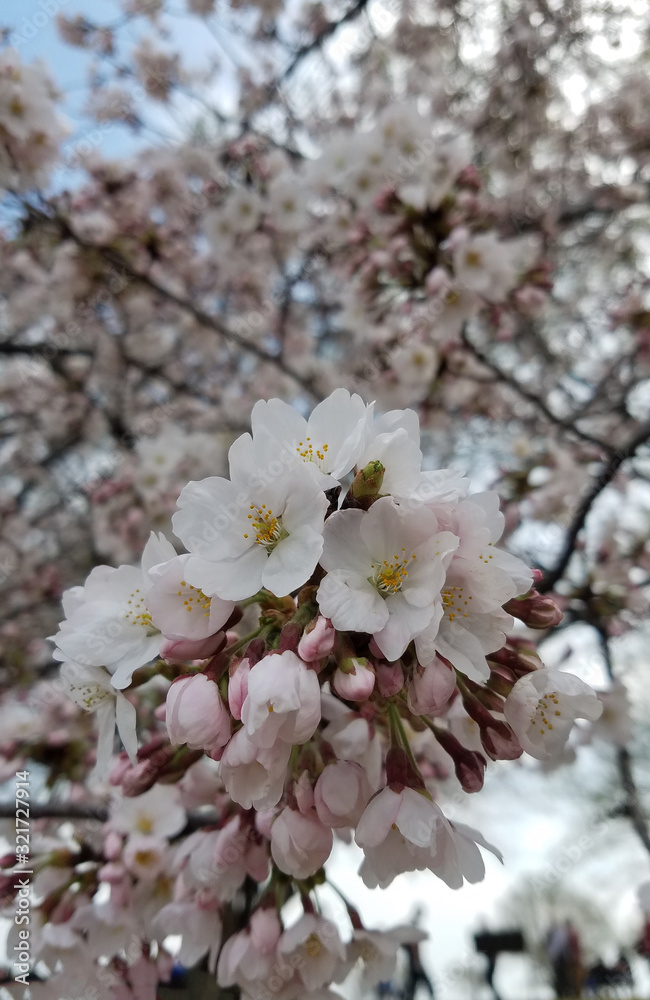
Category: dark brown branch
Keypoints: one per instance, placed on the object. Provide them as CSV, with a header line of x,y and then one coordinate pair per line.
x,y
78,811
607,473
632,807
116,259
317,42
565,425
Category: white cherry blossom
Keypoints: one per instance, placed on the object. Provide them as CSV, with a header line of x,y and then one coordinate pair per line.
x,y
328,442
300,844
542,707
261,528
157,812
480,579
394,440
91,689
385,570
314,947
283,701
399,831
108,623
254,777
178,608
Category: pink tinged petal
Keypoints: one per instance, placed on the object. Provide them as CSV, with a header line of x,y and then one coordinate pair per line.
x,y
319,642
125,717
378,818
418,818
265,929
431,688
209,517
276,417
385,526
344,548
105,737
339,421
238,688
306,504
401,458
339,788
157,550
192,649
426,574
292,561
231,579
354,686
351,603
404,623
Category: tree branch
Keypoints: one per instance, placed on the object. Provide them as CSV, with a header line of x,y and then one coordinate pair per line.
x,y
607,473
509,380
116,259
79,811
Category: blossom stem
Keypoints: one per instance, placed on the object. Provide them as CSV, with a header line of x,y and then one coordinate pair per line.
x,y
398,735
247,638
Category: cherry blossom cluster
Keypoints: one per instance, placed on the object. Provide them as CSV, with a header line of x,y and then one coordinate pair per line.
x,y
381,656
31,130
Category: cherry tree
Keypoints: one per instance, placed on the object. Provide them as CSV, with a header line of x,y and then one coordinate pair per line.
x,y
323,404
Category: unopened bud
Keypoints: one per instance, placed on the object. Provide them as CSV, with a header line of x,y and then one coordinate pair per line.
x,y
469,765
317,640
390,678
367,483
498,739
535,610
521,658
400,772
353,679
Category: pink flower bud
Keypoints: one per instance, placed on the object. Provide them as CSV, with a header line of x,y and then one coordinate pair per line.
x,y
353,680
468,764
318,642
535,610
341,794
304,793
113,873
431,688
238,687
265,930
300,845
390,678
498,739
196,714
112,845
192,649
437,280
119,769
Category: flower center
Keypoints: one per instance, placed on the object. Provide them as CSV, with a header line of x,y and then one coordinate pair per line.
x,y
89,696
268,528
194,599
137,613
145,858
310,452
546,706
454,603
389,577
313,945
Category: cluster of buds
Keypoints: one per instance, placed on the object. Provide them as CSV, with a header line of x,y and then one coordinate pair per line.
x,y
377,656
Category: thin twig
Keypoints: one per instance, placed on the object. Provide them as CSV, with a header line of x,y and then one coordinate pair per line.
x,y
607,474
